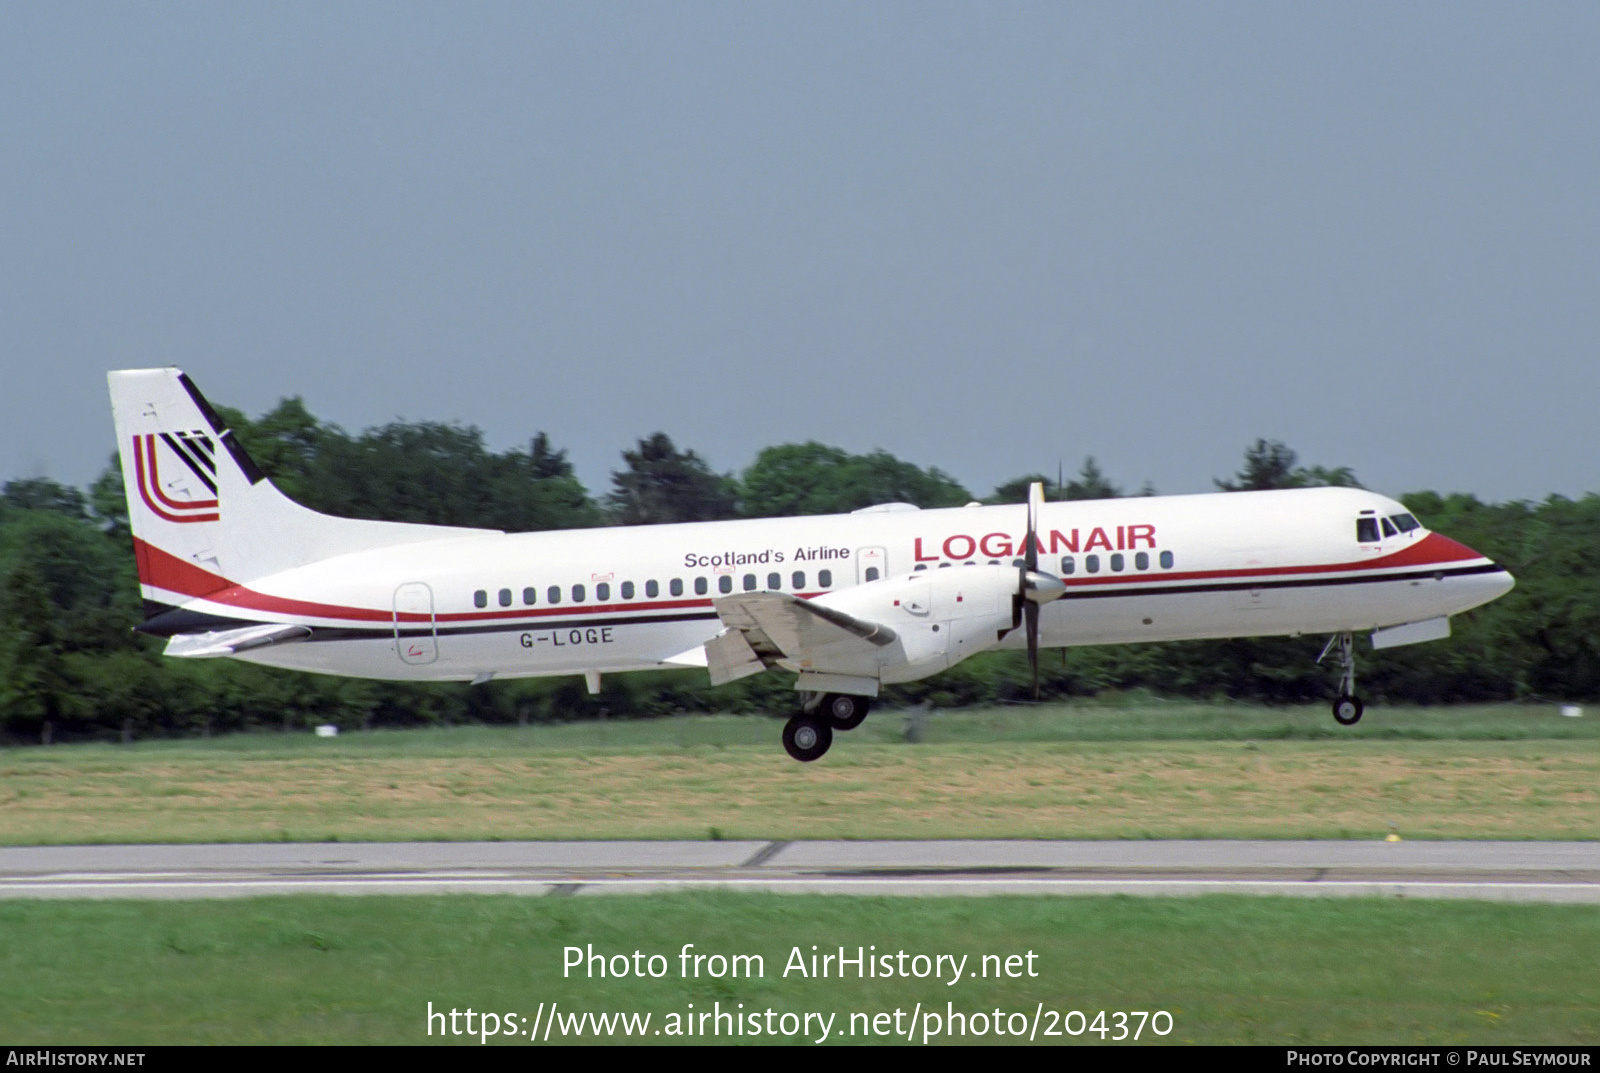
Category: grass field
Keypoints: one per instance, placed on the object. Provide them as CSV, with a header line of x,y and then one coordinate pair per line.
x,y
1135,770
1227,970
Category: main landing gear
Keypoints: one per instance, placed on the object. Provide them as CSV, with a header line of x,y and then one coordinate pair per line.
x,y
1347,707
808,735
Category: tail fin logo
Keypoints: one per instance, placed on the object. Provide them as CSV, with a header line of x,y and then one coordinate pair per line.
x,y
192,477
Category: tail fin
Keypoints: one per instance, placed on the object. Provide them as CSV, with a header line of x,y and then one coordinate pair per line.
x,y
203,514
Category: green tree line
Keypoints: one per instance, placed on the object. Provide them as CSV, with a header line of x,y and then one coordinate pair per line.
x,y
72,667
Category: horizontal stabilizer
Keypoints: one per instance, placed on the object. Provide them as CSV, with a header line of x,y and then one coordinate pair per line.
x,y
233,642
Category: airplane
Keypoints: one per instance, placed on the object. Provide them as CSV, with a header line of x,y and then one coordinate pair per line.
x,y
229,567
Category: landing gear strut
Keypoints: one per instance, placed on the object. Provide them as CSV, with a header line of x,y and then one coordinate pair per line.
x,y
1347,707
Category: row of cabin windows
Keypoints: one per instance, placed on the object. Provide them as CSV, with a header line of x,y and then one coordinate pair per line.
x,y
1118,562
1091,563
652,589
873,573
702,586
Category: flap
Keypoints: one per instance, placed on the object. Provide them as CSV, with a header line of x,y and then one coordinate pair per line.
x,y
795,627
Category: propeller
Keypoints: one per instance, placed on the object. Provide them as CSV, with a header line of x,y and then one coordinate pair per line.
x,y
1034,586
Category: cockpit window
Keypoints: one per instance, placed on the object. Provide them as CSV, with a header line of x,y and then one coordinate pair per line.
x,y
1405,522
1366,530
1389,529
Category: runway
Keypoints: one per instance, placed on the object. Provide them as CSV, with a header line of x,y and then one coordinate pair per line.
x,y
1497,871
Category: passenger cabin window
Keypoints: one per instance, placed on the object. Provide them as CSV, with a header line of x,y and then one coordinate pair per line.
x,y
652,588
1366,530
725,583
1166,560
1116,561
553,594
799,579
578,594
627,590
774,582
602,592
1068,564
675,586
530,595
825,578
1141,560
749,583
1091,563
872,573
699,586
480,598
505,597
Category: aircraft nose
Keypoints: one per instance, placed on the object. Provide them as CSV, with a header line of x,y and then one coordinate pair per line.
x,y
1490,584
1502,583
1473,576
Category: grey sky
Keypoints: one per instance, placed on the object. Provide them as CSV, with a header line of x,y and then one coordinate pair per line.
x,y
982,237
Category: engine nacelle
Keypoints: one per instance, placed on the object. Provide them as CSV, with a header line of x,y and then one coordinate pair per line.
x,y
940,617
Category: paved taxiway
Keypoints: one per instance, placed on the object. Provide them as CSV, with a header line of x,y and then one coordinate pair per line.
x,y
1500,871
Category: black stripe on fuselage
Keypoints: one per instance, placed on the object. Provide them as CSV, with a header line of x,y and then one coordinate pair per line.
x,y
1087,593
154,609
181,620
169,620
353,633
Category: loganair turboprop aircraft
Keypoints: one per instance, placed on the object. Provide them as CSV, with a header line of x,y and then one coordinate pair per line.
x,y
848,603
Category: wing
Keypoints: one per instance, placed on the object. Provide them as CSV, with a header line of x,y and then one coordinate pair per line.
x,y
765,628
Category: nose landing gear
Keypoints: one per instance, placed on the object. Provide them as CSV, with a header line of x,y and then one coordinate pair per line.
x,y
1347,710
1347,707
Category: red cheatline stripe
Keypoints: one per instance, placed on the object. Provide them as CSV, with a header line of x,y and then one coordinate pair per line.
x,y
247,599
1432,550
146,479
167,571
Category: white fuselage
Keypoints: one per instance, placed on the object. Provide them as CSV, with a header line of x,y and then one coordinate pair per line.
x,y
623,599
